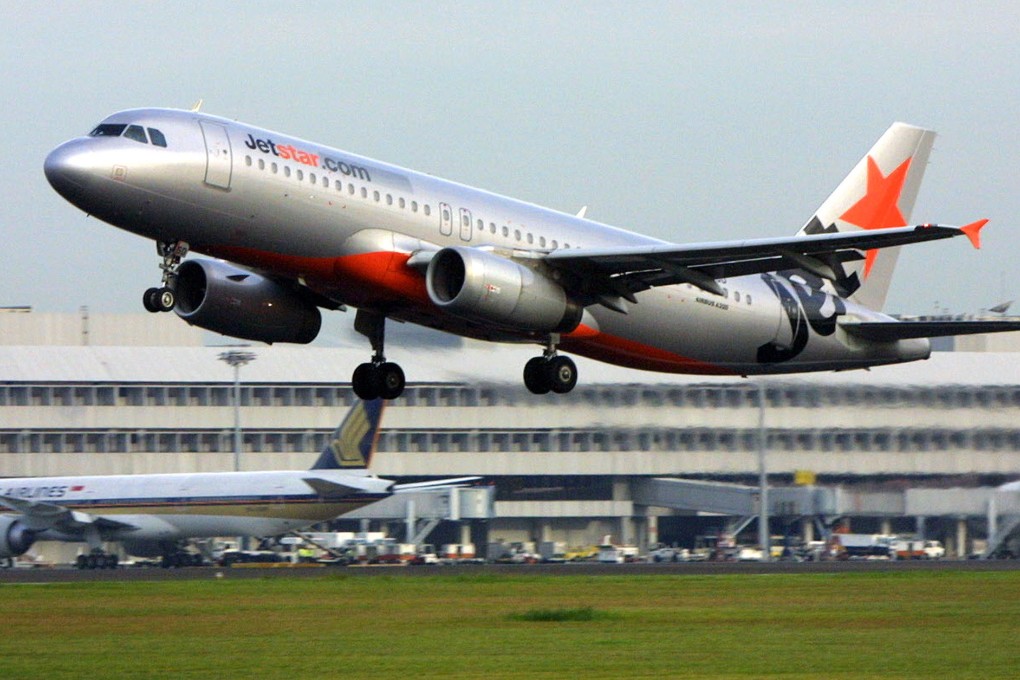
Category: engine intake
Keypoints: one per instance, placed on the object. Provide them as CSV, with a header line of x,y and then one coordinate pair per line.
x,y
480,286
15,537
219,297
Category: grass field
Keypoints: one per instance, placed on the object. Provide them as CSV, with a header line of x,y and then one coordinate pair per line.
x,y
887,625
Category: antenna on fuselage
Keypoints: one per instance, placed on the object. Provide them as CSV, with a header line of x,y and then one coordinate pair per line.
x,y
197,106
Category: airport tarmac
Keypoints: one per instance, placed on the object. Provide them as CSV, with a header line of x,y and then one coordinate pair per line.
x,y
69,574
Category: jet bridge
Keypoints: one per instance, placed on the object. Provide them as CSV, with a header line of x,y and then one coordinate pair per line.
x,y
423,509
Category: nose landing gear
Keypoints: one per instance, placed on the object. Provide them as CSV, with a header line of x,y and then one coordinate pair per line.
x,y
164,298
550,372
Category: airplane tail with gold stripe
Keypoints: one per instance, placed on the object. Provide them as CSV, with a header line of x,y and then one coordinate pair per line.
x,y
353,442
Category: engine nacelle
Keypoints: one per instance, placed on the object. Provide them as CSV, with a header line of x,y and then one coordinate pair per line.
x,y
219,297
480,286
15,537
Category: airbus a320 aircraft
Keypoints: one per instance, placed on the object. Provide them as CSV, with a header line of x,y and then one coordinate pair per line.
x,y
152,515
298,226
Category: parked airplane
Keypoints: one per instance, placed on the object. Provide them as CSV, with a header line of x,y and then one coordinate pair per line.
x,y
310,226
152,515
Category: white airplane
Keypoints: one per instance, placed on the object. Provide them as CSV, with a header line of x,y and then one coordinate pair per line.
x,y
152,515
299,226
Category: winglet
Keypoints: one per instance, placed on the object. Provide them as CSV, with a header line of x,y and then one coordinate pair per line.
x,y
973,232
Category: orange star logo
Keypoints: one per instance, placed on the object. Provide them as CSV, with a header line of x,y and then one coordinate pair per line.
x,y
878,208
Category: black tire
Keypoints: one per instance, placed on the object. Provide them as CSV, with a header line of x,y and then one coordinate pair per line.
x,y
389,380
166,300
150,300
537,376
81,562
562,374
365,382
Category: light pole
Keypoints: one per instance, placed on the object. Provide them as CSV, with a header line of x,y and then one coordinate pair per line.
x,y
763,479
237,359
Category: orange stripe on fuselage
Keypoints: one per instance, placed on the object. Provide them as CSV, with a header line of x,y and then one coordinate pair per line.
x,y
612,349
363,279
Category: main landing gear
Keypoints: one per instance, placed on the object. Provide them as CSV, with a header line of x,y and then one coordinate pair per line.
x,y
96,559
164,298
378,378
550,372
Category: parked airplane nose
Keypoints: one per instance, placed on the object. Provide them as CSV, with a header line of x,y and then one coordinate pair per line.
x,y
69,168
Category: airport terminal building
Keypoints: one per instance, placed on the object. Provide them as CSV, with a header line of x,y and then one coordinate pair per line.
x,y
643,457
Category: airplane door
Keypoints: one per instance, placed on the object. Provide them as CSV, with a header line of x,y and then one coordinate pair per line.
x,y
218,161
465,224
445,220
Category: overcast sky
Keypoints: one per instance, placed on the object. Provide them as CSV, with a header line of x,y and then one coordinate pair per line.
x,y
687,121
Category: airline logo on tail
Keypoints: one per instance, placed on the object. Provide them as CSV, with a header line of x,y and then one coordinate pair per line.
x,y
879,207
354,441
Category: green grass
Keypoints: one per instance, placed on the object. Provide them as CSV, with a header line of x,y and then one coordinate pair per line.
x,y
888,625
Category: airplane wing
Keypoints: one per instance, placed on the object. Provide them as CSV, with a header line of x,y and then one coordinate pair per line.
x,y
889,331
41,516
625,271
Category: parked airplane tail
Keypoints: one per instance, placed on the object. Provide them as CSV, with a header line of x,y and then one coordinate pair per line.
x,y
879,192
353,442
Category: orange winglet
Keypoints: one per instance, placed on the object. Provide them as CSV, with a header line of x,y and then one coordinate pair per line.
x,y
973,232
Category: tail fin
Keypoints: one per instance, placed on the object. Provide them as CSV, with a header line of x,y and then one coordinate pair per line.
x,y
879,192
353,442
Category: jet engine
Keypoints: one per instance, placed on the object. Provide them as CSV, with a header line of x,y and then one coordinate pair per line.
x,y
480,286
15,537
219,297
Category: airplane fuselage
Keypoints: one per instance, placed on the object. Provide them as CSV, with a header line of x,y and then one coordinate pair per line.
x,y
169,507
348,228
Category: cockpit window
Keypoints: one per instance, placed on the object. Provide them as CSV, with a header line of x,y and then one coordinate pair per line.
x,y
137,133
157,137
107,130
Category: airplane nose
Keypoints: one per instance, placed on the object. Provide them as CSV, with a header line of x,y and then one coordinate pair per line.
x,y
68,168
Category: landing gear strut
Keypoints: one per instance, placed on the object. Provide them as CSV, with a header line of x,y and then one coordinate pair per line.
x,y
378,378
164,298
550,372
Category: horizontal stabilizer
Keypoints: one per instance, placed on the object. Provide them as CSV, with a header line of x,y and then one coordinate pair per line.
x,y
328,489
889,331
435,484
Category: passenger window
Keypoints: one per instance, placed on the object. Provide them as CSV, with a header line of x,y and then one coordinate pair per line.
x,y
531,238
262,164
311,177
286,171
274,168
300,175
428,210
136,133
517,234
157,137
364,192
350,189
554,244
375,195
247,161
506,230
541,242
402,203
414,206
389,199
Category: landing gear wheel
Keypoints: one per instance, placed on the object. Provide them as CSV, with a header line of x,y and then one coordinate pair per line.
x,y
365,382
81,562
389,380
536,376
151,300
562,374
166,300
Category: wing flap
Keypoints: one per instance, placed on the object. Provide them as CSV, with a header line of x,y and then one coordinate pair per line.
x,y
41,516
